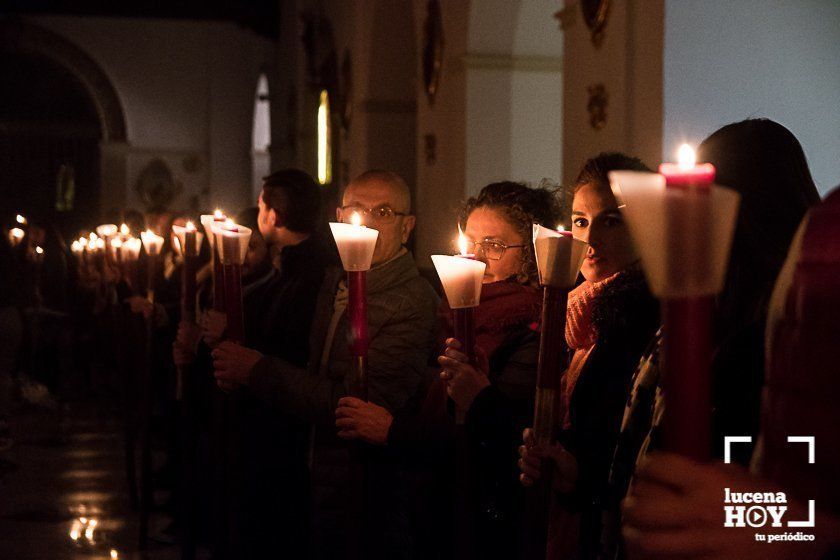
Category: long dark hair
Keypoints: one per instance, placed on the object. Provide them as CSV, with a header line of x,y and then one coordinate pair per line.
x,y
522,206
595,171
764,162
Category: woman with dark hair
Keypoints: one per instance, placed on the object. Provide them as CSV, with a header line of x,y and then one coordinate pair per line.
x,y
611,316
765,164
497,396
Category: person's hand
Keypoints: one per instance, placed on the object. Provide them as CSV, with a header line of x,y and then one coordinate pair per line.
x,y
233,363
186,343
463,381
676,511
139,304
531,463
213,324
358,419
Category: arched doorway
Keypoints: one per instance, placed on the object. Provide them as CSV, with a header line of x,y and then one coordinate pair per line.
x,y
49,142
261,136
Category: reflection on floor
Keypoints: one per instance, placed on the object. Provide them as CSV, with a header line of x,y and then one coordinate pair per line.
x,y
63,491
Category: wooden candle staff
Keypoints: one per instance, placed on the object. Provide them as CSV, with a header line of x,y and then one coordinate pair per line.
x,y
682,226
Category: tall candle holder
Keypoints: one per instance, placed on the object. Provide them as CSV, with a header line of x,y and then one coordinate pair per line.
x,y
153,244
356,244
682,226
209,222
232,243
559,257
461,277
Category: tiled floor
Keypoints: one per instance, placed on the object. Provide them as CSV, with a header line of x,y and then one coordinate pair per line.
x,y
70,470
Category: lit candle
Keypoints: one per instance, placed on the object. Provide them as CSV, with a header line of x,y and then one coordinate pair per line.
x,y
461,277
21,220
16,236
131,253
209,221
356,244
682,226
124,231
153,244
106,230
232,242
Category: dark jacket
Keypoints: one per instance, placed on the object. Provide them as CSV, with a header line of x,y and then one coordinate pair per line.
x,y
483,454
625,317
402,325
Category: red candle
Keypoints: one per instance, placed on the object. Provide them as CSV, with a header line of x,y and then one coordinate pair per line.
x,y
232,244
190,250
687,320
356,245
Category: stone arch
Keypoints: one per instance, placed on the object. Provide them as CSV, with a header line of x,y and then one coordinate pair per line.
x,y
21,37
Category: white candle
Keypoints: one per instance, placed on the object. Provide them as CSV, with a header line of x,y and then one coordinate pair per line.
x,y
232,240
355,242
152,242
180,237
106,230
461,278
559,256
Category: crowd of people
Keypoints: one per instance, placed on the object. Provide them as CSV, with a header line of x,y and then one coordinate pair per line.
x,y
270,452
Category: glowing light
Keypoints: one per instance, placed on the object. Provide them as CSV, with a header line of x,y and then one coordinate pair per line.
x,y
356,219
39,250
21,220
83,520
92,236
561,228
218,215
99,243
117,243
89,533
93,523
462,241
17,234
114,554
190,226
124,231
74,534
324,143
686,158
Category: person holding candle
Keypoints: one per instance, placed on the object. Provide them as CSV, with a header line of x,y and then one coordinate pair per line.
x,y
401,319
675,506
610,319
764,163
496,393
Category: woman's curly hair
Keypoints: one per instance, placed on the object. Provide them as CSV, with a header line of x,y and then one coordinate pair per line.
x,y
522,206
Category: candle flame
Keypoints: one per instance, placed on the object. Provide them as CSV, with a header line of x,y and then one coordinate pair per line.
x,y
99,243
114,554
92,236
686,158
39,250
190,226
116,243
356,219
560,227
20,219
218,215
17,233
462,241
74,534
83,520
124,230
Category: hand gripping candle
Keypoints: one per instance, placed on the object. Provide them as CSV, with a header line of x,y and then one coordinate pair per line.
x,y
356,244
682,225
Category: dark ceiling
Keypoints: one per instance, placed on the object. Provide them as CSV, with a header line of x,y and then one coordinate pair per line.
x,y
260,15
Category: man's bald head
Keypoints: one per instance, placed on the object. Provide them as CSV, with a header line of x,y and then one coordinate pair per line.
x,y
367,194
379,179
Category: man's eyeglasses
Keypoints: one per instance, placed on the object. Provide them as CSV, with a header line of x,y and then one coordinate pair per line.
x,y
493,250
383,214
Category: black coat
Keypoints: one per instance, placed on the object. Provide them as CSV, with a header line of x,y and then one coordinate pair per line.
x,y
625,316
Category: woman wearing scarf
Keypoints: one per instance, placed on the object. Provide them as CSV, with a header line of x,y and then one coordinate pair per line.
x,y
497,395
611,316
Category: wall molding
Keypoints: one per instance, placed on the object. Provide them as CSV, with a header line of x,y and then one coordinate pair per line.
x,y
515,63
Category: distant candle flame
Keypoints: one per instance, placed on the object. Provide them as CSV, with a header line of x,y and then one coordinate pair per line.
x,y
218,215
99,243
686,158
92,236
74,534
356,219
124,230
20,219
560,227
190,226
17,233
462,241
116,243
83,520
39,250
114,554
